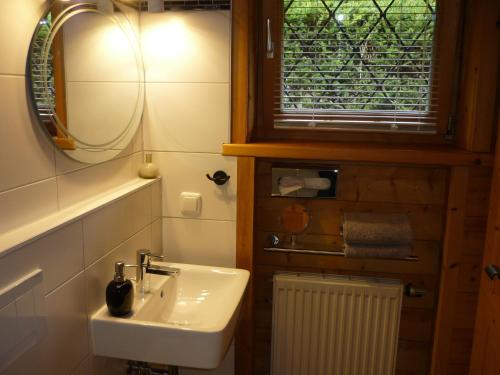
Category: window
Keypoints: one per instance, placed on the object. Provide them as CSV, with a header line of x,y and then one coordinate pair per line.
x,y
358,65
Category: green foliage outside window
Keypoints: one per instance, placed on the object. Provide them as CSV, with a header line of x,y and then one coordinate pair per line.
x,y
352,55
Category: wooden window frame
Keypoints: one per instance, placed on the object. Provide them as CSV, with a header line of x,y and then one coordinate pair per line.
x,y
63,140
447,34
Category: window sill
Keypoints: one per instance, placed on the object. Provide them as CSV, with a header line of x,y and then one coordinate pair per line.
x,y
360,152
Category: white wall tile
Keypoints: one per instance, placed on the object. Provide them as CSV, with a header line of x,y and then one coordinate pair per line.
x,y
59,255
207,242
107,366
8,327
192,117
186,172
107,228
156,205
225,368
26,204
83,184
83,368
180,47
18,20
92,40
65,164
26,154
106,107
94,365
186,46
157,237
67,324
137,141
66,343
25,308
101,273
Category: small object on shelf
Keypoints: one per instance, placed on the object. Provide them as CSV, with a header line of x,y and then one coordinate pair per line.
x,y
219,178
119,293
148,169
375,228
377,235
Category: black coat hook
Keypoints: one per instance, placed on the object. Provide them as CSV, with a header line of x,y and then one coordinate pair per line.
x,y
220,177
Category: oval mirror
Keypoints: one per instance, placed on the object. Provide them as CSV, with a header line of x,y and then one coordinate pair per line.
x,y
87,78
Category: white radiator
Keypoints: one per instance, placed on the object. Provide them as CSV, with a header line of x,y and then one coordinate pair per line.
x,y
335,325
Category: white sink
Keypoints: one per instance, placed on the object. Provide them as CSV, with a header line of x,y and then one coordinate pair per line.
x,y
185,320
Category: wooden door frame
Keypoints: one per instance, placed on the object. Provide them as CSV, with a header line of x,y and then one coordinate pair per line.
x,y
450,268
483,315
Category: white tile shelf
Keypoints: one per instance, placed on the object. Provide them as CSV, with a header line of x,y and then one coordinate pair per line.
x,y
30,232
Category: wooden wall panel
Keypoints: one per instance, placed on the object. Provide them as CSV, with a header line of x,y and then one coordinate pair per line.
x,y
424,193
471,255
244,259
478,91
242,74
392,184
419,191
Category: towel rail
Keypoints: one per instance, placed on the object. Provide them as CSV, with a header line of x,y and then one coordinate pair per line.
x,y
331,253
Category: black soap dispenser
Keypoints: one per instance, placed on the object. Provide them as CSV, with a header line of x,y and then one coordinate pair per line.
x,y
119,293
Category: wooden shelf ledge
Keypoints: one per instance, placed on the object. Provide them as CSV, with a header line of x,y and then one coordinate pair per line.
x,y
360,152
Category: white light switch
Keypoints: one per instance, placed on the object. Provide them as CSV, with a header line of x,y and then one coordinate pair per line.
x,y
190,204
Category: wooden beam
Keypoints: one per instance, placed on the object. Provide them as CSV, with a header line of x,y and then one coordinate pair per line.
x,y
361,152
487,304
244,259
241,69
478,99
453,241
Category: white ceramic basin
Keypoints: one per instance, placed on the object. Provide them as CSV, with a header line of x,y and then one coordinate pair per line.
x,y
185,320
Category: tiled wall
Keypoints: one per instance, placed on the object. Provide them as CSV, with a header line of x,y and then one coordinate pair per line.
x,y
77,263
36,179
186,120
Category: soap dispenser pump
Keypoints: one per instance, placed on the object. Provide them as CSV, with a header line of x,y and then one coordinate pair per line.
x,y
119,292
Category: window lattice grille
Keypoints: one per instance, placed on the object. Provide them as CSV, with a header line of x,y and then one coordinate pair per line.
x,y
358,56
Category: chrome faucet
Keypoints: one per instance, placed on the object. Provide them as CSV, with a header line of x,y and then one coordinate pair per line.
x,y
143,266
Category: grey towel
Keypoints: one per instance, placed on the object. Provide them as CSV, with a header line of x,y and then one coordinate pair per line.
x,y
367,228
360,251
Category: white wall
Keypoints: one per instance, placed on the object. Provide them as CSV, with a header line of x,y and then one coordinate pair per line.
x,y
77,263
97,91
186,120
36,179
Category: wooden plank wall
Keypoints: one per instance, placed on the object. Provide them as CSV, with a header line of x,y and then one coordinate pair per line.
x,y
471,254
419,191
